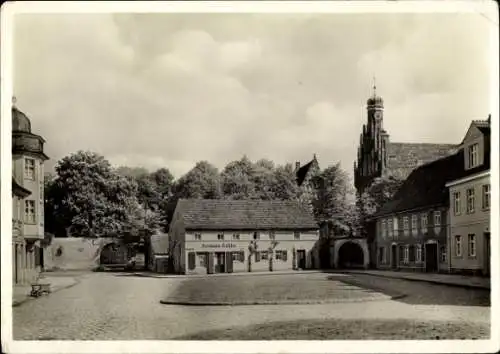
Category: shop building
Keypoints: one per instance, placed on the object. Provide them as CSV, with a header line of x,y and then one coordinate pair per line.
x,y
226,236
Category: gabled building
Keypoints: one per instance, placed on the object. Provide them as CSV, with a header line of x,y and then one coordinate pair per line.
x,y
225,236
28,158
379,157
305,179
411,229
470,200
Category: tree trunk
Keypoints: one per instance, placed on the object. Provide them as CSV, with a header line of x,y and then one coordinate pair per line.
x,y
250,262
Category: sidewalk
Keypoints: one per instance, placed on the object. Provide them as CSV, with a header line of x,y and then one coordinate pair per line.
x,y
21,293
447,279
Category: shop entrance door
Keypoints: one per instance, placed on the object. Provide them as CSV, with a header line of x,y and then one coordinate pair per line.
x,y
220,262
301,259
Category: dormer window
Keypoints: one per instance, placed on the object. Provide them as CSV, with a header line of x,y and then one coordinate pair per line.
x,y
473,155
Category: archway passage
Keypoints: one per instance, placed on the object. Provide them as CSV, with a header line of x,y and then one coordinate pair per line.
x,y
351,256
113,253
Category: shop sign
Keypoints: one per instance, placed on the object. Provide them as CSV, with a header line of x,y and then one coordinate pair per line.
x,y
218,245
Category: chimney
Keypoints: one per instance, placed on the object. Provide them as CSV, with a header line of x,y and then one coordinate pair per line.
x,y
489,119
297,165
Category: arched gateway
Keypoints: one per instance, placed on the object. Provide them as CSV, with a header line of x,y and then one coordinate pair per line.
x,y
351,253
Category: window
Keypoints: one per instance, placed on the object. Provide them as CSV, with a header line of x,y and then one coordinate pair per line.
x,y
281,255
486,196
257,256
197,236
256,235
264,255
437,218
272,235
236,236
406,223
401,253
383,226
296,235
220,236
442,254
473,155
458,246
238,256
456,203
472,245
29,168
470,200
424,222
418,253
414,220
29,211
389,227
395,223
406,253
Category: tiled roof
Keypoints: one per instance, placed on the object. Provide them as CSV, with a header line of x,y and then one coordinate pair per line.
x,y
425,186
216,214
403,158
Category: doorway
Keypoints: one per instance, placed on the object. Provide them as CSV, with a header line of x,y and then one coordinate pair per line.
x,y
487,253
301,259
220,262
431,254
394,257
350,256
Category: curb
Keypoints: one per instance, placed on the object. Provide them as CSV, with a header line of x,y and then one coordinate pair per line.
x,y
467,286
278,302
221,275
30,298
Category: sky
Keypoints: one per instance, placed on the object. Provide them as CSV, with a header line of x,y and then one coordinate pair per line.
x,y
168,90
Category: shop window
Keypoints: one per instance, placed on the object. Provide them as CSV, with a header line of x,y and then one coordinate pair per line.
x,y
281,255
442,254
238,256
264,255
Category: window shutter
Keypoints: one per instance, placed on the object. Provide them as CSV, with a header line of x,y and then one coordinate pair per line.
x,y
191,261
257,256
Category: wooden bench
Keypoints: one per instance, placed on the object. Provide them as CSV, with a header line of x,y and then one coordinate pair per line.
x,y
39,289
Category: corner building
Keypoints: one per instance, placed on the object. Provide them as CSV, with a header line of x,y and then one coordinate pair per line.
x,y
28,159
226,236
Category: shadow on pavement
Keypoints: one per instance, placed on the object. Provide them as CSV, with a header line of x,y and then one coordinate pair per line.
x,y
419,292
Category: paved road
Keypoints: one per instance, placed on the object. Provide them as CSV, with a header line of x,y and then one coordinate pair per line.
x,y
107,306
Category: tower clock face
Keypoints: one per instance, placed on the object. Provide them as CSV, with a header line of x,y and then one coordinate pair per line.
x,y
377,115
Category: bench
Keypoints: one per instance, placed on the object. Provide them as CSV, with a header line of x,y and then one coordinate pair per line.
x,y
39,289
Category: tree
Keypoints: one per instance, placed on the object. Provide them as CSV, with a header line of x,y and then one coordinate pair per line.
x,y
201,182
334,204
238,179
90,198
284,184
381,191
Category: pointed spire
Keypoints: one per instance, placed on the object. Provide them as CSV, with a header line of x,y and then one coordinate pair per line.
x,y
14,101
374,86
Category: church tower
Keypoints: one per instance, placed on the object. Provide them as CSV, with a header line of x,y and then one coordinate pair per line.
x,y
372,150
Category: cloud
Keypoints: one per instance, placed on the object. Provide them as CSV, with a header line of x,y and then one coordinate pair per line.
x,y
169,90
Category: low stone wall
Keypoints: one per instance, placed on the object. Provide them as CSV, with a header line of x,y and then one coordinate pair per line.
x,y
73,254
